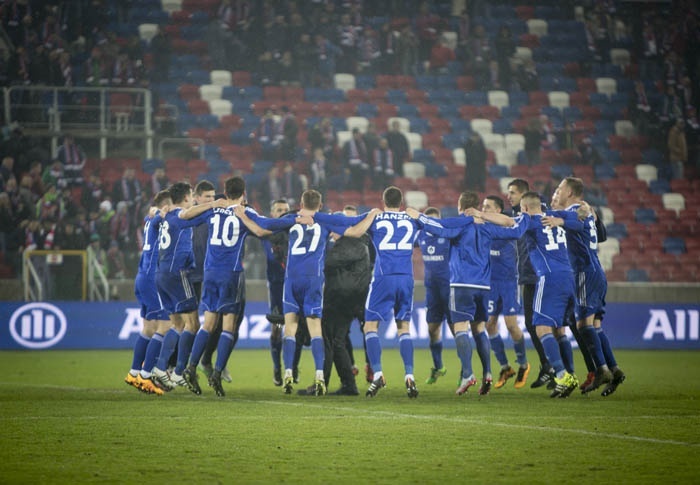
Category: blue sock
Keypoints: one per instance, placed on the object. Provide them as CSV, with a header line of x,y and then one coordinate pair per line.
x,y
593,343
318,352
276,352
288,348
169,343
551,350
183,351
464,352
374,351
520,354
484,350
607,348
567,353
499,350
139,352
406,351
223,350
199,346
152,352
436,352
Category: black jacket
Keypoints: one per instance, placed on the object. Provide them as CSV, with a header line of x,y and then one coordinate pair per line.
x,y
348,271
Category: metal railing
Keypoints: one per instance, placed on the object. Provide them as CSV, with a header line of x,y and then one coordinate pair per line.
x,y
84,112
97,280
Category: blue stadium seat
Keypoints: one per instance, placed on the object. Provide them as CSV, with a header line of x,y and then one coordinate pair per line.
x,y
518,98
572,113
674,245
453,140
636,275
561,171
407,110
605,171
149,165
449,212
422,155
502,126
498,171
659,186
617,230
368,110
476,98
645,215
510,112
396,96
364,81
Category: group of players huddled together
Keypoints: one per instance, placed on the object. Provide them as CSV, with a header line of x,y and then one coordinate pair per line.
x,y
477,266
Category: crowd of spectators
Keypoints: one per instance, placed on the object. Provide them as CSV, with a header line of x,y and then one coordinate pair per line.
x,y
69,43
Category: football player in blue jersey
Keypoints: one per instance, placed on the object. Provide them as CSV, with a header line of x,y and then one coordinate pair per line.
x,y
275,247
470,280
591,283
393,233
504,299
527,279
175,259
554,292
303,285
224,282
435,251
155,318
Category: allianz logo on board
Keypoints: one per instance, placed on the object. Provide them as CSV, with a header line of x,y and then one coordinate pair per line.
x,y
678,324
38,325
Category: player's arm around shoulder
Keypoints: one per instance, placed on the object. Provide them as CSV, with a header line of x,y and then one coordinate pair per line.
x,y
361,227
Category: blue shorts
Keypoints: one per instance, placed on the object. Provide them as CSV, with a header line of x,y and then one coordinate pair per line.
x,y
222,291
303,295
591,288
503,298
176,292
468,304
389,296
554,300
437,301
275,290
147,296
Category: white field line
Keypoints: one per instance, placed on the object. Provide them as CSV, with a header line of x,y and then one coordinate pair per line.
x,y
365,413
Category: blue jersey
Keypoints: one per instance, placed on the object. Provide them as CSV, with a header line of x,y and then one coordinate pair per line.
x,y
226,243
436,257
504,259
392,235
526,274
546,246
175,248
470,258
276,262
200,236
581,238
148,264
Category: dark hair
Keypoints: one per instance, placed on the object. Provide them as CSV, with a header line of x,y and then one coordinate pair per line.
x,y
531,195
520,184
392,197
234,187
468,199
497,200
576,185
350,207
179,190
432,210
279,201
203,186
161,198
311,199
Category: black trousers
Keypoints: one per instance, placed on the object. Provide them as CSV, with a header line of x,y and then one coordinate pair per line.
x,y
336,322
528,299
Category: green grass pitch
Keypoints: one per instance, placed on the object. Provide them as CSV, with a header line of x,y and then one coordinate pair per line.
x,y
67,417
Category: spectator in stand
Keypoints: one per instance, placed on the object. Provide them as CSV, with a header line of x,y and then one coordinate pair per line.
x,y
160,47
505,49
587,154
407,51
348,37
526,76
371,138
72,156
8,222
287,72
22,199
677,149
266,134
533,141
121,226
475,169
36,185
6,170
53,174
103,223
116,265
305,60
277,36
129,190
70,236
356,161
383,166
479,57
323,136
326,53
389,41
159,180
317,168
650,50
671,108
286,131
398,143
440,56
93,193
639,110
370,52
100,254
48,206
428,27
